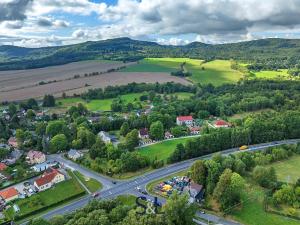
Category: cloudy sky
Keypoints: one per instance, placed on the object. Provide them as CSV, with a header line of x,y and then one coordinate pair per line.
x,y
35,23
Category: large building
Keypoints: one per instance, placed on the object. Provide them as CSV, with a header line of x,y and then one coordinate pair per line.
x,y
184,120
48,179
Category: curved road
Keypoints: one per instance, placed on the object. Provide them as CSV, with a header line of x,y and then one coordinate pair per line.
x,y
124,187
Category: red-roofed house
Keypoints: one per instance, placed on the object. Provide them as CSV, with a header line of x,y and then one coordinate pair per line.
x,y
2,166
194,130
12,141
221,123
184,120
9,194
48,179
34,157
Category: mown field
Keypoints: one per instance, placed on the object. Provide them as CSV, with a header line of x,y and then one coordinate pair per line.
x,y
288,170
271,74
162,150
216,72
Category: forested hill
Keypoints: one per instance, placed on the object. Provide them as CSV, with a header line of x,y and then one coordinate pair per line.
x,y
266,53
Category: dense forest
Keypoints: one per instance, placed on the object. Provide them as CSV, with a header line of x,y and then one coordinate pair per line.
x,y
261,54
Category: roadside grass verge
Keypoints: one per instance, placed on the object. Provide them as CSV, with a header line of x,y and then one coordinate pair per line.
x,y
91,184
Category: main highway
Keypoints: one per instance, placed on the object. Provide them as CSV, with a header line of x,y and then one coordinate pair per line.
x,y
111,190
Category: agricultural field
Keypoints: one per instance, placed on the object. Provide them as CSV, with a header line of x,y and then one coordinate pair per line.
x,y
264,74
23,84
162,150
216,72
287,170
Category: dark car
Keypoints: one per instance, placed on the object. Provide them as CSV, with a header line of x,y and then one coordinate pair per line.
x,y
96,194
144,192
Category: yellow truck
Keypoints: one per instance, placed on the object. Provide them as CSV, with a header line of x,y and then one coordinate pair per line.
x,y
244,147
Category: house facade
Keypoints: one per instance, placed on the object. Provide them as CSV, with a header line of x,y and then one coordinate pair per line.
x,y
184,120
221,124
74,154
104,137
48,179
144,133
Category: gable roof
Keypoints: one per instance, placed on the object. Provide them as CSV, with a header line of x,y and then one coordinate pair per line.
x,y
184,118
8,193
47,177
221,123
143,131
2,166
35,154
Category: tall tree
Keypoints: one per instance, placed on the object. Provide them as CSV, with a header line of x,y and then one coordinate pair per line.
x,y
157,130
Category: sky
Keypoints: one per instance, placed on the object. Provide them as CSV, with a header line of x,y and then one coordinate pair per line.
x,y
38,23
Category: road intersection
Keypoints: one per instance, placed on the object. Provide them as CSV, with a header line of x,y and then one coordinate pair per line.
x,y
121,187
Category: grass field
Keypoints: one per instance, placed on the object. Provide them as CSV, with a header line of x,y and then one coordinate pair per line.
x,y
91,184
162,150
216,72
182,95
288,170
266,74
252,212
96,105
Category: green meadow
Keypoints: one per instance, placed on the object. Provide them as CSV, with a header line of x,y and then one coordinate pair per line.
x,y
216,72
162,150
271,74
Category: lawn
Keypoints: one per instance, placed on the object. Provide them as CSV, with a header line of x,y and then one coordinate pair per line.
x,y
288,170
271,74
216,72
252,212
91,184
127,199
182,95
162,150
61,191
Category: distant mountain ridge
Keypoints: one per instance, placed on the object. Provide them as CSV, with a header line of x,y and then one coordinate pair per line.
x,y
281,53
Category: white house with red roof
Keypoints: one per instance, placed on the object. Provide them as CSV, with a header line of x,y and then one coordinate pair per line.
x,y
48,179
184,120
221,124
35,157
9,194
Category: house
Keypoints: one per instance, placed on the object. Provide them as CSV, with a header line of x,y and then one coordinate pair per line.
x,y
221,124
184,120
107,138
9,194
196,192
143,133
194,130
2,166
168,135
104,137
74,154
12,141
48,179
35,157
5,146
40,167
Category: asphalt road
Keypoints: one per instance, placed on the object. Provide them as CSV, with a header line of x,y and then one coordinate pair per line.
x,y
112,190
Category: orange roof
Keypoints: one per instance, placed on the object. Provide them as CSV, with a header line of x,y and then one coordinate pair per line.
x,y
8,193
184,118
2,166
221,123
47,177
